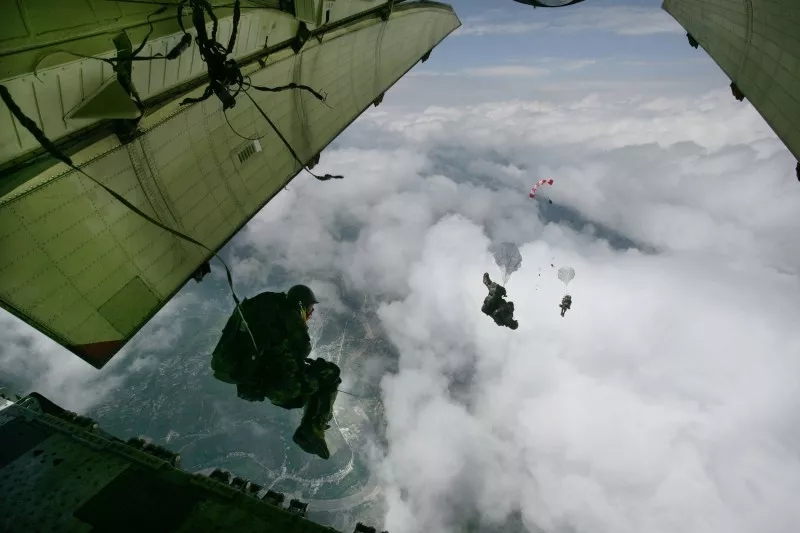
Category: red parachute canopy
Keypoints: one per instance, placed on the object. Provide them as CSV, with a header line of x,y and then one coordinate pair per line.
x,y
538,184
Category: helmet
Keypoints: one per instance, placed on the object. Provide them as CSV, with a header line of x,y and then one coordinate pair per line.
x,y
302,294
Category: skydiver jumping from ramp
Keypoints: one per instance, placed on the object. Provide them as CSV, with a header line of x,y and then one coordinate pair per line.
x,y
501,311
280,370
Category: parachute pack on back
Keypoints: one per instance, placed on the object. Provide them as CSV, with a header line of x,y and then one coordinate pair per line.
x,y
267,314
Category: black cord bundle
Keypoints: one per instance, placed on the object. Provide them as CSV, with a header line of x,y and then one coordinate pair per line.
x,y
226,81
223,73
225,78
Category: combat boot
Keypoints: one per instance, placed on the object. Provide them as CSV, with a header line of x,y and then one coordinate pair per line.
x,y
311,440
310,436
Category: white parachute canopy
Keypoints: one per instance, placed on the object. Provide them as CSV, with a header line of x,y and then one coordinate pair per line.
x,y
508,258
566,274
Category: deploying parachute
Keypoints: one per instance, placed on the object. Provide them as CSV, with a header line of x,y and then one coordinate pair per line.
x,y
539,184
508,258
566,274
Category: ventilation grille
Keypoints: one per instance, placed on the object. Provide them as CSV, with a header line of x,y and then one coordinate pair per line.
x,y
242,154
245,154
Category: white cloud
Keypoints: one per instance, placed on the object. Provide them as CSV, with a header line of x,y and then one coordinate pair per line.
x,y
495,71
622,20
35,362
32,362
658,403
683,188
507,70
431,73
578,64
502,28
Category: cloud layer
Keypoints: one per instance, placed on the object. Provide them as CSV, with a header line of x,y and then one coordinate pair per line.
x,y
32,362
663,401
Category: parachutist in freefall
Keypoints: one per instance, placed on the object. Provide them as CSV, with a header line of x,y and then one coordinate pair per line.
x,y
276,323
499,310
566,303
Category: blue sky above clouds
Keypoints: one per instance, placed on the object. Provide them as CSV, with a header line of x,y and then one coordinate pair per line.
x,y
665,400
551,50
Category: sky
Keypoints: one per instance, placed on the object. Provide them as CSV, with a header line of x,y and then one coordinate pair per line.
x,y
666,399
